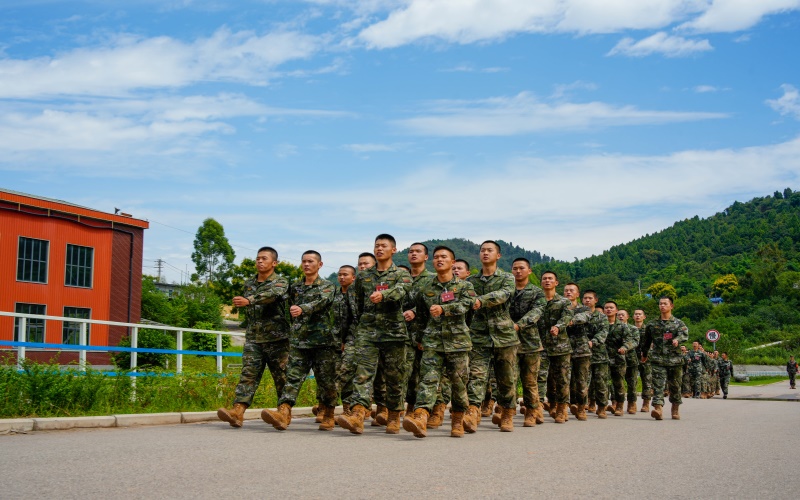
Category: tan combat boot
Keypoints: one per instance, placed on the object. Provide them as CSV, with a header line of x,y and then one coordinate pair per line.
x,y
554,410
486,408
417,424
560,412
471,419
409,410
355,421
631,408
346,408
545,405
675,414
393,422
592,407
457,424
234,416
645,405
381,414
317,410
601,411
327,423
610,408
573,408
656,413
280,418
437,416
530,418
618,408
507,419
539,414
497,416
581,414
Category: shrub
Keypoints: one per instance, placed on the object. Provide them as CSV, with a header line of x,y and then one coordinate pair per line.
x,y
153,339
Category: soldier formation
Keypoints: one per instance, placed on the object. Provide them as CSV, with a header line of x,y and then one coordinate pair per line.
x,y
413,341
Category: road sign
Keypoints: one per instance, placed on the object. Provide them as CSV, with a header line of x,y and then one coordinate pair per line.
x,y
713,336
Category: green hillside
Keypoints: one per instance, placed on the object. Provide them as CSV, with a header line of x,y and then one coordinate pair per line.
x,y
468,250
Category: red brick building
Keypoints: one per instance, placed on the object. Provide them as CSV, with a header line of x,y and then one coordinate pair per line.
x,y
61,259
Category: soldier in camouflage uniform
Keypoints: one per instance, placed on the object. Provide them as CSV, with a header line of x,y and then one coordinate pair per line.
x,y
527,306
581,358
697,364
598,332
313,345
417,256
791,370
443,394
263,302
381,335
725,374
441,302
553,329
661,345
621,339
344,331
645,372
631,363
686,386
494,340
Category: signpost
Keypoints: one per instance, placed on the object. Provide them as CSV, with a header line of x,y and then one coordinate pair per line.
x,y
713,337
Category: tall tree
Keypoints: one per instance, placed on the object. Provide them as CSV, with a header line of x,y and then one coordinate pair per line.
x,y
213,256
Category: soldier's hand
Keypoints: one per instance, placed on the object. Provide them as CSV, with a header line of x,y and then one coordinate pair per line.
x,y
409,315
240,301
590,344
644,359
622,350
295,311
436,310
516,327
477,304
376,297
675,343
554,331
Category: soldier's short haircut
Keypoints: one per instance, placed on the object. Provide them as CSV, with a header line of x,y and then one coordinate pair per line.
x,y
666,297
442,247
522,259
348,266
313,252
401,266
270,250
464,262
724,352
388,237
550,272
368,254
573,284
423,245
610,302
591,292
496,245
639,309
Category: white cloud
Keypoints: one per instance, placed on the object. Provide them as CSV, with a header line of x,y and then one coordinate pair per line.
x,y
524,114
563,89
737,15
788,103
127,63
660,43
705,89
370,148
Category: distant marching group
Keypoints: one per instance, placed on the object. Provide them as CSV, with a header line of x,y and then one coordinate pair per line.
x,y
414,341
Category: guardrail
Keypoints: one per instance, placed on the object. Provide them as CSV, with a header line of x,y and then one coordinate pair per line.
x,y
21,344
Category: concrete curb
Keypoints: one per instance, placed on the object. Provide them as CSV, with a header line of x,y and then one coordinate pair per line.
x,y
63,423
148,419
16,425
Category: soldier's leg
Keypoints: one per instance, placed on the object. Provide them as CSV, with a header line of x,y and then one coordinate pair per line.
x,y
544,367
394,358
697,383
659,384
430,372
528,374
723,383
491,385
631,374
479,361
443,393
581,367
366,358
347,370
457,368
646,376
324,366
674,375
277,354
300,362
573,382
686,387
618,380
559,373
254,361
379,385
600,383
412,364
505,370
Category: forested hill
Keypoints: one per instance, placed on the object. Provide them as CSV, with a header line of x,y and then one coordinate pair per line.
x,y
468,250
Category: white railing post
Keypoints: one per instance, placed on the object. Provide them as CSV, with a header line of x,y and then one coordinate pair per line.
x,y
82,342
179,357
219,349
134,358
22,337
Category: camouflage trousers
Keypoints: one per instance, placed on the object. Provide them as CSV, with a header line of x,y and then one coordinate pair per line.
x,y
579,380
323,361
686,385
631,374
369,355
558,379
541,381
646,375
504,361
617,372
697,381
528,375
670,377
723,384
598,387
491,386
433,367
346,371
256,357
379,386
444,392
413,374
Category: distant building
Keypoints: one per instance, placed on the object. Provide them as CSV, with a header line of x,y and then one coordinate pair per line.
x,y
61,259
169,289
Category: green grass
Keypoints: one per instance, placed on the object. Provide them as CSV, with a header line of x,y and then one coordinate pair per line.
x,y
756,381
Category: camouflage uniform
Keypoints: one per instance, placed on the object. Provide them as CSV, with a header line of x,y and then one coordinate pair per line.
x,y
619,335
598,387
645,371
632,364
413,354
666,359
581,359
381,334
557,313
445,339
686,386
725,373
313,344
697,366
266,341
527,306
791,369
494,340
344,331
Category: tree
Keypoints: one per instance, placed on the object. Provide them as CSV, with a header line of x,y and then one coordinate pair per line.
x,y
726,285
289,270
661,289
213,256
694,306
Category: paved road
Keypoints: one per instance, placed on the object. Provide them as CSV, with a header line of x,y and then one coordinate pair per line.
x,y
732,449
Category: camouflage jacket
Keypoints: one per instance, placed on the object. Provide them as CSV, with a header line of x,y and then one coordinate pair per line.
x,y
621,335
557,312
598,335
711,364
342,316
641,338
578,332
268,310
448,332
658,337
381,322
725,368
697,361
527,306
791,367
416,326
311,329
491,324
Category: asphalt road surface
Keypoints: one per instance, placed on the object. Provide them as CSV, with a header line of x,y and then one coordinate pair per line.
x,y
719,449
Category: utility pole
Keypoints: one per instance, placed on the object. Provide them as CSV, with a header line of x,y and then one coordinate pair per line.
x,y
159,264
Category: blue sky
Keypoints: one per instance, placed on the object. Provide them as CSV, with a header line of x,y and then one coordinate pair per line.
x,y
564,126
